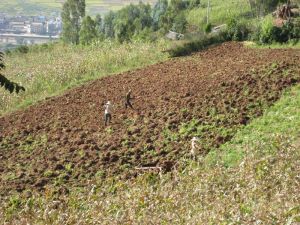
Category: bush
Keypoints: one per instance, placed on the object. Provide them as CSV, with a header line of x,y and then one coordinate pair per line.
x,y
237,30
198,44
267,33
208,28
22,49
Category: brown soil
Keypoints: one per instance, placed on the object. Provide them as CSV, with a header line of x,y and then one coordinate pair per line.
x,y
63,140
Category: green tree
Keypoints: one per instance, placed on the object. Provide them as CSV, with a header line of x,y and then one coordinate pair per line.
x,y
72,13
98,23
194,4
108,25
174,17
158,11
4,82
179,24
87,31
131,20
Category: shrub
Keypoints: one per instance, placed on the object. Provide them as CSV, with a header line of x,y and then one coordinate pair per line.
x,y
22,49
201,43
267,33
208,28
237,30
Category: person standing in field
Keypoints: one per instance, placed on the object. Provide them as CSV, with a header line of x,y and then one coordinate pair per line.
x,y
107,113
128,98
194,147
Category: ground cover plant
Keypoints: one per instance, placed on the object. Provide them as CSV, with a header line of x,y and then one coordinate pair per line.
x,y
260,186
50,69
65,144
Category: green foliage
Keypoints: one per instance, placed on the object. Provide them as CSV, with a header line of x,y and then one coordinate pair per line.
x,y
99,26
22,49
131,20
237,30
208,28
180,23
4,82
72,13
204,41
158,10
194,4
174,17
87,31
267,33
220,12
108,25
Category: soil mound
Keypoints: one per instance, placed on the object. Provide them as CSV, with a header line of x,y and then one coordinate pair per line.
x,y
211,94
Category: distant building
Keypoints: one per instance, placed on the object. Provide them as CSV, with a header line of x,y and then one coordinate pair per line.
x,y
17,27
37,28
51,27
3,23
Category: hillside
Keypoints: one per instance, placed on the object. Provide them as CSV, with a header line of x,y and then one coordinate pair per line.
x,y
62,143
46,7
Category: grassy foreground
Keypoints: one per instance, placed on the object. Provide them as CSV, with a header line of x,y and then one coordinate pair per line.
x,y
48,70
253,179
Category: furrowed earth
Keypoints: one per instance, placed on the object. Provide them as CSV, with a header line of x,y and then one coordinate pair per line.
x,y
62,142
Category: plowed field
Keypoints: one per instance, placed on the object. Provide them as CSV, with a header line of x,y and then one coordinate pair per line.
x,y
63,141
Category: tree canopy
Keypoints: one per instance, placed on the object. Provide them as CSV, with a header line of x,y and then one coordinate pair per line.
x,y
72,14
87,31
4,82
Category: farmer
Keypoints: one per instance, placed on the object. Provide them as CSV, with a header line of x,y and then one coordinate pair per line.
x,y
128,98
107,113
194,147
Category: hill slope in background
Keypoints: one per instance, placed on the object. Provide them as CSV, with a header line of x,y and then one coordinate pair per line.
x,y
63,142
46,7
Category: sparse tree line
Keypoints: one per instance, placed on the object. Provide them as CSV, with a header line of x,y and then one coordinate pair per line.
x,y
141,21
133,21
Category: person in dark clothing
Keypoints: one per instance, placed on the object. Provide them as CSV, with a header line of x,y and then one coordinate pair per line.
x,y
128,98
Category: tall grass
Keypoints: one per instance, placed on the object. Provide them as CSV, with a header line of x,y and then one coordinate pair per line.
x,y
219,13
50,69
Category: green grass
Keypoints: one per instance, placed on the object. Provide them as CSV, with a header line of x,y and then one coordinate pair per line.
x,y
265,133
220,12
48,70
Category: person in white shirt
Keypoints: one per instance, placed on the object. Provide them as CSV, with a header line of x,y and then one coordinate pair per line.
x,y
107,113
194,147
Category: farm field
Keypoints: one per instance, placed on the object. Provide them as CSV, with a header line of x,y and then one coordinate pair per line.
x,y
62,143
38,7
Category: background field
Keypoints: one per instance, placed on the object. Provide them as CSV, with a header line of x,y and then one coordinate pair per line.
x,y
49,69
46,7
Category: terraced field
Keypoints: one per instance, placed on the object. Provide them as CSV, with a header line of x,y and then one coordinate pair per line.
x,y
63,143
